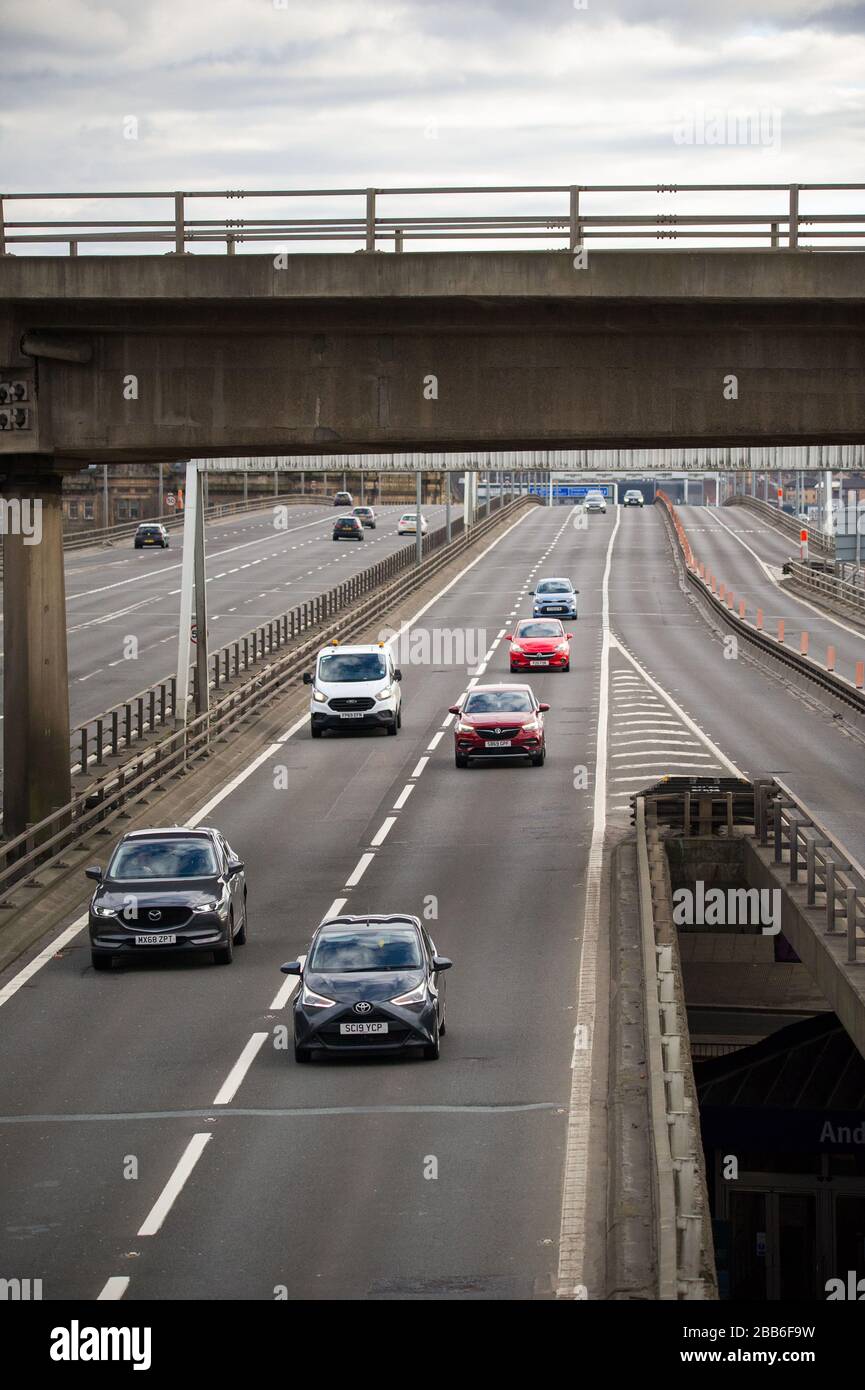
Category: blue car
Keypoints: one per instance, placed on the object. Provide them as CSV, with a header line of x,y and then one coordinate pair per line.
x,y
554,597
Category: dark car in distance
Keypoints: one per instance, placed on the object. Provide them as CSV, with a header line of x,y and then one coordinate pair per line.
x,y
168,892
348,528
369,984
343,499
151,533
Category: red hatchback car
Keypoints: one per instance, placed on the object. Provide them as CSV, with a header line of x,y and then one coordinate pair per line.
x,y
499,721
540,643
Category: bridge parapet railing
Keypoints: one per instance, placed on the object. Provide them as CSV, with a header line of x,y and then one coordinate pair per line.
x,y
777,216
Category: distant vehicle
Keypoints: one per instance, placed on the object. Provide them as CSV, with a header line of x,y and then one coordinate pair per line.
x,y
151,533
407,525
554,597
369,984
343,499
633,498
354,687
499,721
540,642
168,892
366,516
595,502
348,528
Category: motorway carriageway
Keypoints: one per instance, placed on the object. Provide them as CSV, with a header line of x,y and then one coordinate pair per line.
x,y
746,553
256,1175
255,572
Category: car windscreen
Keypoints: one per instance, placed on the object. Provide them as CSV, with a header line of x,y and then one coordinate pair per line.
x,y
526,630
180,858
363,511
358,666
498,702
341,950
553,586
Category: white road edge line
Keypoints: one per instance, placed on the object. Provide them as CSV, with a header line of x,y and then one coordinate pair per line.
x,y
172,1189
231,1084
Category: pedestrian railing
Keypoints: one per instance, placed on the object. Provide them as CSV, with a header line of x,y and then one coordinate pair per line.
x,y
772,215
783,521
850,594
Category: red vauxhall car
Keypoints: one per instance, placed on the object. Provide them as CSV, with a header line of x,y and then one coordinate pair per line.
x,y
499,721
541,643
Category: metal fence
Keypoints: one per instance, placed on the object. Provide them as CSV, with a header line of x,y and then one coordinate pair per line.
x,y
847,593
773,215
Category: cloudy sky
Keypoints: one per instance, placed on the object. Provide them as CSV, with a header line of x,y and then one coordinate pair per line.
x,y
111,94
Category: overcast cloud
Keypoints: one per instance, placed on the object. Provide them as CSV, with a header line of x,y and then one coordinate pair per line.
x,y
248,93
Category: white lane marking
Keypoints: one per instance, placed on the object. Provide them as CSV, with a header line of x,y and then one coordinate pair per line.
x,y
449,719
335,909
166,569
677,709
113,1289
854,632
435,741
575,1195
231,1084
171,1191
70,932
285,991
383,831
403,796
421,765
359,870
680,740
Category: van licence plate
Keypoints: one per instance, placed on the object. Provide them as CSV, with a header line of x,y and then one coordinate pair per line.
x,y
351,714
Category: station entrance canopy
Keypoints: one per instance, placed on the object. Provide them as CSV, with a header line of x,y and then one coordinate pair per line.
x,y
606,462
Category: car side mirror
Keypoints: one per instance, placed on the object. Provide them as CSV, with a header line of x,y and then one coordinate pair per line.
x,y
307,678
235,866
291,967
531,591
442,963
543,708
453,709
397,675
570,636
509,637
94,872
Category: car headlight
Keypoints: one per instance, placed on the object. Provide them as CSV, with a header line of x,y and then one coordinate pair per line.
x,y
515,647
209,905
384,694
563,647
315,1001
413,996
531,727
319,697
465,728
99,911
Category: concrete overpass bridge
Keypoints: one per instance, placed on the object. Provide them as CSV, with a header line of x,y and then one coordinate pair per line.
x,y
116,359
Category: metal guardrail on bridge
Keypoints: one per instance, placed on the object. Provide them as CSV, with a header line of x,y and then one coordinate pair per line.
x,y
788,216
783,521
846,593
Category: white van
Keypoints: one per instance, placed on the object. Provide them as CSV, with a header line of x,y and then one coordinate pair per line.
x,y
354,687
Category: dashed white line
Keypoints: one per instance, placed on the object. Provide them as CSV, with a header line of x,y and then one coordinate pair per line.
x,y
191,1154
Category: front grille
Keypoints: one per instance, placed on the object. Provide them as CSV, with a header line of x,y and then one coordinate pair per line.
x,y
499,732
359,702
168,917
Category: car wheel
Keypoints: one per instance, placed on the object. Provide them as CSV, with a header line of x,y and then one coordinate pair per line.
x,y
315,731
302,1054
241,935
399,718
224,955
101,960
431,1051
461,760
567,666
443,1027
538,759
393,729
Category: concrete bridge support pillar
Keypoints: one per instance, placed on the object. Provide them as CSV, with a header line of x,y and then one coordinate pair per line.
x,y
36,776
